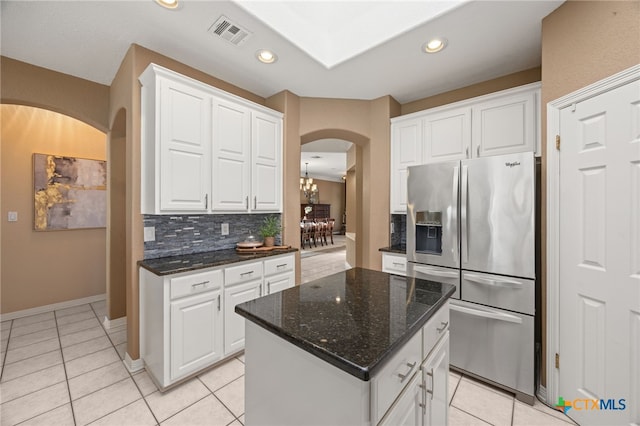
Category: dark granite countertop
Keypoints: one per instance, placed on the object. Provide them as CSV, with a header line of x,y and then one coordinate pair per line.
x,y
355,320
192,262
400,249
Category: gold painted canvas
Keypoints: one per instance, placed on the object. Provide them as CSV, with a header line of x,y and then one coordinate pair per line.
x,y
69,193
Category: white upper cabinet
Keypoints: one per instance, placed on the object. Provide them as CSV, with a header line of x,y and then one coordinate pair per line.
x,y
406,150
176,144
447,135
266,147
231,156
205,150
505,125
498,123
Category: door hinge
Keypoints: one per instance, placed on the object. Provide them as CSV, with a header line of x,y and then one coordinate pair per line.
x,y
558,142
557,360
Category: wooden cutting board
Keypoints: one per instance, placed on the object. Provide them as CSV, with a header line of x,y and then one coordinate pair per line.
x,y
261,249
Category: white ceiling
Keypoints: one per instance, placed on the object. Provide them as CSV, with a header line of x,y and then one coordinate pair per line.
x,y
361,49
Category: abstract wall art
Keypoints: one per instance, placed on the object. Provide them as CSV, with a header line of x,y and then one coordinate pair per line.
x,y
69,193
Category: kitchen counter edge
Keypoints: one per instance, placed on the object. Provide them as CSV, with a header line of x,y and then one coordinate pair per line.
x,y
193,262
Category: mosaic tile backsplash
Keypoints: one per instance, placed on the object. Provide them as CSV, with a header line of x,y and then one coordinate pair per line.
x,y
178,235
399,236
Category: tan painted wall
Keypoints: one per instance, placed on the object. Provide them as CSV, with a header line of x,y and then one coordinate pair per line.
x,y
42,268
26,84
332,193
582,43
501,83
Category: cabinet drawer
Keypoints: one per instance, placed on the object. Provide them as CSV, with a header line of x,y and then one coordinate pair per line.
x,y
195,283
242,273
394,264
279,265
434,329
387,385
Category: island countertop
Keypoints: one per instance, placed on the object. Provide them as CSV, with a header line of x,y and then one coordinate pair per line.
x,y
354,320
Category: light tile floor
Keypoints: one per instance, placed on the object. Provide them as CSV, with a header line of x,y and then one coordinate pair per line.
x,y
64,368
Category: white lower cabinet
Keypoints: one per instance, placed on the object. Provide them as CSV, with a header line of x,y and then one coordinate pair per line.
x,y
234,323
196,333
435,373
394,263
188,320
408,409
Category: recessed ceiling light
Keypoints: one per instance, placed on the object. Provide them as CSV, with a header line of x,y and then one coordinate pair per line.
x,y
169,4
266,56
434,45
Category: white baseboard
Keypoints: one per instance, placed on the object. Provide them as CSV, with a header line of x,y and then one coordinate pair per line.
x,y
133,365
52,307
118,322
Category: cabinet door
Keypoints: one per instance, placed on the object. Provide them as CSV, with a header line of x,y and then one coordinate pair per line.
x,y
231,156
406,150
266,147
447,135
234,323
196,333
185,141
505,125
408,408
279,282
436,373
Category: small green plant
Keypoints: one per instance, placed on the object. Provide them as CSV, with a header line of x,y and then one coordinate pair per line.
x,y
270,226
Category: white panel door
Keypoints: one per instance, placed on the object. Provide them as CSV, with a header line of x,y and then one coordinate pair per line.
x,y
505,125
185,147
234,323
406,150
600,256
436,374
196,333
408,409
266,143
279,282
231,156
447,135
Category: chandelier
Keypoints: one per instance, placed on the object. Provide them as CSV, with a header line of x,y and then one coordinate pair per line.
x,y
309,188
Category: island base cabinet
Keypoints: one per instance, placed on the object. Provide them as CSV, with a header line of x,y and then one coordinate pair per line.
x,y
435,372
285,385
409,408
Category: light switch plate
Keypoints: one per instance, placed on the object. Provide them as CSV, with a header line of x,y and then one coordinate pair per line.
x,y
224,229
149,233
12,216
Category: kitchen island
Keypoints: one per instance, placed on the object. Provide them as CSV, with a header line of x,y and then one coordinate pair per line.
x,y
356,347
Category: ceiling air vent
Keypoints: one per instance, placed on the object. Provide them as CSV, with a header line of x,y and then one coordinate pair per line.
x,y
230,31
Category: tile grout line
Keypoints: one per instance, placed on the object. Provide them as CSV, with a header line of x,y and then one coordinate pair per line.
x,y
64,367
6,351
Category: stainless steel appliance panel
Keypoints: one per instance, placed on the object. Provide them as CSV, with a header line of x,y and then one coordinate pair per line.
x,y
497,215
432,214
493,344
436,273
514,294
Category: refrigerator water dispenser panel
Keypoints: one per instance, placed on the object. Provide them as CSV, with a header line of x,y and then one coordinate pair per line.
x,y
429,232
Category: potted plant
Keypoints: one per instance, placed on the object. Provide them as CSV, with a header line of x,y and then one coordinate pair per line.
x,y
269,229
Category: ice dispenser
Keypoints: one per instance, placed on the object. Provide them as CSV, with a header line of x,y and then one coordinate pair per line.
x,y
429,232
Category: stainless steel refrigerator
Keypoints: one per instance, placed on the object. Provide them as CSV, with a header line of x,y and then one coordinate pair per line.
x,y
471,223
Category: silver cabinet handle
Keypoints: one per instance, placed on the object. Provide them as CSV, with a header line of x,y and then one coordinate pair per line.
x,y
403,377
255,202
430,374
203,283
443,328
398,264
282,265
246,273
206,201
246,203
268,287
218,302
478,151
466,152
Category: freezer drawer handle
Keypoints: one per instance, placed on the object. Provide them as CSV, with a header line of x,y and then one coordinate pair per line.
x,y
408,373
496,282
500,316
435,273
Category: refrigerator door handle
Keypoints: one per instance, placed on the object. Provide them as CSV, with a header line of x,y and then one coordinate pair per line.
x,y
496,282
500,316
434,272
456,190
463,215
